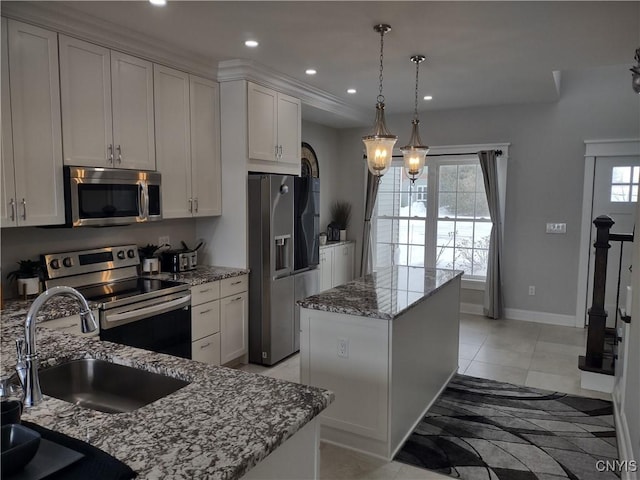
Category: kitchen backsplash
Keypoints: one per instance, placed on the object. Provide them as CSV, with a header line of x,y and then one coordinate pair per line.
x,y
29,242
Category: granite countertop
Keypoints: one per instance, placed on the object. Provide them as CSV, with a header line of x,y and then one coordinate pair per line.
x,y
217,427
336,243
384,294
59,307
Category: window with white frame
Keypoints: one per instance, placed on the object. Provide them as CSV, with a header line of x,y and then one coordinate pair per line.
x,y
624,184
442,220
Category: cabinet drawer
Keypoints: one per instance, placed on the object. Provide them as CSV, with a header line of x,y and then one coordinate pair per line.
x,y
233,285
206,292
207,350
205,319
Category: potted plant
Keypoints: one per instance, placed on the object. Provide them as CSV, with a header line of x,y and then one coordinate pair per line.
x,y
150,262
341,214
27,277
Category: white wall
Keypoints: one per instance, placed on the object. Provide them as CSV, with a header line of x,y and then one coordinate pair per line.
x,y
30,242
545,173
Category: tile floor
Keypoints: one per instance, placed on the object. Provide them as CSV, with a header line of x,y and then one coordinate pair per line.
x,y
524,353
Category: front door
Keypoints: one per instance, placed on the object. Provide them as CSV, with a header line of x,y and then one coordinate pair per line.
x,y
615,193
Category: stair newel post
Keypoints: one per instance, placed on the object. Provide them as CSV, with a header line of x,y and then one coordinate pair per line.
x,y
597,313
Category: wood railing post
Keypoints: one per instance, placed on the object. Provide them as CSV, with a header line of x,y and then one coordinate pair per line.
x,y
597,313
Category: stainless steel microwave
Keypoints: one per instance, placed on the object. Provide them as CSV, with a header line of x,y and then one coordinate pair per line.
x,y
100,197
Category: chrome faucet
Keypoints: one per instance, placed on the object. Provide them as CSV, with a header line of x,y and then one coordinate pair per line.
x,y
27,366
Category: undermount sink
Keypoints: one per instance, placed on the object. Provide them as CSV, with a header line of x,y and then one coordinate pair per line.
x,y
104,386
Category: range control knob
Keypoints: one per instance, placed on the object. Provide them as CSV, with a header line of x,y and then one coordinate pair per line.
x,y
55,264
67,261
131,253
121,255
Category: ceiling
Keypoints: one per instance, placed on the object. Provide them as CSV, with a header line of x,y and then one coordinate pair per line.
x,y
478,53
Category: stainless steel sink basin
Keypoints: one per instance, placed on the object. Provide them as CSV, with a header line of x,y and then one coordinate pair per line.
x,y
104,386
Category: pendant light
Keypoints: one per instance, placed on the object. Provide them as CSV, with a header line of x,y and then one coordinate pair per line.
x,y
635,76
380,143
414,153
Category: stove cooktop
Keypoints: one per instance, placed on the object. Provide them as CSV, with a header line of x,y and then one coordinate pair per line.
x,y
122,292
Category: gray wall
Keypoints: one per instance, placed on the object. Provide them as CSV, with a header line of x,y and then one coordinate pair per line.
x,y
29,242
545,173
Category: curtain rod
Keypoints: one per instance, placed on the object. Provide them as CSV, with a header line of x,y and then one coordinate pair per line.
x,y
498,153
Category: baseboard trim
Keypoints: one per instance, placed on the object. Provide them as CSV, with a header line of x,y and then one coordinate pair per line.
x,y
471,308
540,317
625,448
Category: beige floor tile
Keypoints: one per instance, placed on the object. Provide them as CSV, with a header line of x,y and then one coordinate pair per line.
x,y
508,358
463,363
556,363
521,343
341,464
564,335
548,347
472,337
468,351
409,472
497,372
553,382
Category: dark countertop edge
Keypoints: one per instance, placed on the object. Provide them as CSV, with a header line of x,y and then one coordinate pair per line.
x,y
375,313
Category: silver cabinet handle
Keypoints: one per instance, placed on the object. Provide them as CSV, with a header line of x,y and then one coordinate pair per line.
x,y
110,152
195,203
203,312
280,148
119,149
205,290
276,153
236,299
24,209
236,283
205,345
191,205
12,203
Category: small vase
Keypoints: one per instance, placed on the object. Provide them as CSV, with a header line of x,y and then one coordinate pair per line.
x,y
28,287
343,235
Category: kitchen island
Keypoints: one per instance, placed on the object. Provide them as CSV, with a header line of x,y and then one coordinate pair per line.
x,y
225,424
387,345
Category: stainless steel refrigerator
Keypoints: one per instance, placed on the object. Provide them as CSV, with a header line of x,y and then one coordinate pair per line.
x,y
283,256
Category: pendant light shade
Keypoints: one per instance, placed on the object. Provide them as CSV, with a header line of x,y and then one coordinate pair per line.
x,y
380,143
415,152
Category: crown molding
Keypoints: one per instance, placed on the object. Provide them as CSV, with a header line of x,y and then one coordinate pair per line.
x,y
230,70
68,21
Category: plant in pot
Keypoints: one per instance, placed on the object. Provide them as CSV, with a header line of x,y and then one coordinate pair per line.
x,y
341,214
150,262
27,277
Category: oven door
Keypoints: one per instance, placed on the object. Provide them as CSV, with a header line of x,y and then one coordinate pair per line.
x,y
161,325
101,197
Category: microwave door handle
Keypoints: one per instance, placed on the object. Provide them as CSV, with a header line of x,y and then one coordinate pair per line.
x,y
142,201
145,197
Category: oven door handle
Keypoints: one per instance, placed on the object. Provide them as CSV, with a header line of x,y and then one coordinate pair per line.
x,y
117,319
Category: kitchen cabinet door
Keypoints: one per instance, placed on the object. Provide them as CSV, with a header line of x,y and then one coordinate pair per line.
x,y
85,93
263,121
289,129
206,170
343,264
207,350
8,215
234,335
173,140
326,268
132,100
35,117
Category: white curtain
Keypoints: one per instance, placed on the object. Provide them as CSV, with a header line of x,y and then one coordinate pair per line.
x,y
493,297
366,262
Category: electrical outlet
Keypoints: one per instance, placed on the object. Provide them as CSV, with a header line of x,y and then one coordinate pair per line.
x,y
532,289
164,241
343,347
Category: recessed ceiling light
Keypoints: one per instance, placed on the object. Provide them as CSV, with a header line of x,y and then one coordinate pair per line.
x,y
158,3
251,43
310,71
428,97
351,90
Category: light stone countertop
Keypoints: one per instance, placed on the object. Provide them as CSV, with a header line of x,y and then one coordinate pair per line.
x,y
384,294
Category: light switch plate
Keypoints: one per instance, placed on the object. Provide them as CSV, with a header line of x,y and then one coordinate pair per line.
x,y
556,228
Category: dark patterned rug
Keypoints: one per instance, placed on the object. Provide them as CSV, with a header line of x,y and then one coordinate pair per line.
x,y
483,429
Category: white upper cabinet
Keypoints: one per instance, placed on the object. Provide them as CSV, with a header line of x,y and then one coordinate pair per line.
x,y
8,215
85,91
274,130
205,147
173,140
107,107
132,101
35,123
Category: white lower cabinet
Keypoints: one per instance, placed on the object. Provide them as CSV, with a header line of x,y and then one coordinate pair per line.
x,y
219,320
336,265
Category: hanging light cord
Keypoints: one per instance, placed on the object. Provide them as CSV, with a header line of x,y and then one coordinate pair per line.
x,y
380,96
415,107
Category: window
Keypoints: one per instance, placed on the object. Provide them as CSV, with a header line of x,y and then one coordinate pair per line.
x,y
624,184
442,220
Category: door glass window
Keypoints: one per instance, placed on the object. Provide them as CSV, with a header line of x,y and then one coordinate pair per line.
x,y
624,184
